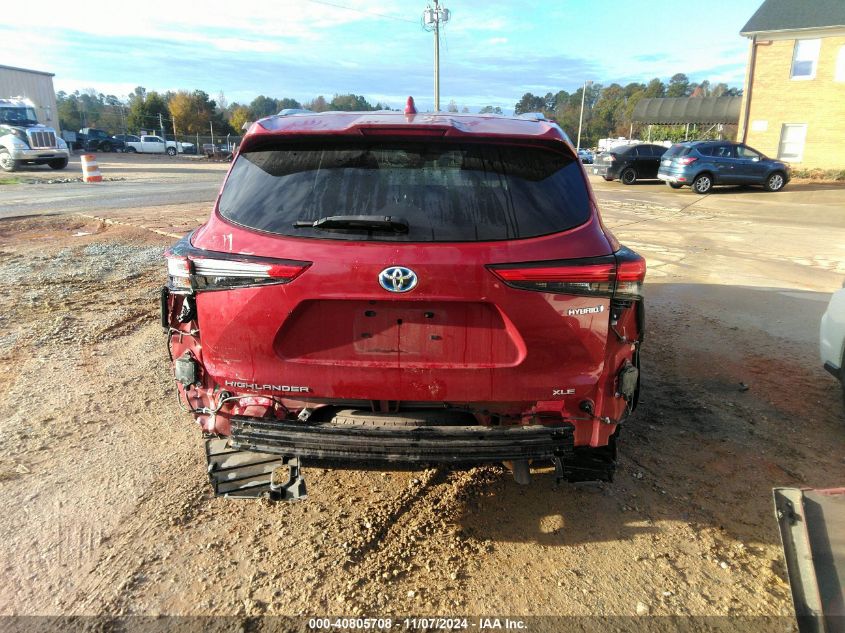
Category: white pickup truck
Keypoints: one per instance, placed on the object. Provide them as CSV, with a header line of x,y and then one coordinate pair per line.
x,y
157,145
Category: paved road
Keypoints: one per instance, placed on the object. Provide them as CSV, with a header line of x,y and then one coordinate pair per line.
x,y
23,200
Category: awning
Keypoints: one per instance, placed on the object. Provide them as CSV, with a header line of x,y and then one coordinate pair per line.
x,y
675,111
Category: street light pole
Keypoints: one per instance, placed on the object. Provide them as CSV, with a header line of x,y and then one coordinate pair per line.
x,y
432,17
436,56
581,118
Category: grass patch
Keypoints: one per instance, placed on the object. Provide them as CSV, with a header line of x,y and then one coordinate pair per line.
x,y
835,175
10,181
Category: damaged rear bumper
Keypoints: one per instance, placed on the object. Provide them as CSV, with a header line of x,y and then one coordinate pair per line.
x,y
401,445
243,465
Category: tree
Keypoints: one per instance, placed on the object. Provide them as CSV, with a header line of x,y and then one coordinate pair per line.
x,y
70,117
529,103
349,103
654,89
182,111
286,103
318,104
608,111
146,109
263,106
679,86
240,115
452,107
490,110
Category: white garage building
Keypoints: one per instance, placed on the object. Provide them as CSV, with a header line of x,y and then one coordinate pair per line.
x,y
36,86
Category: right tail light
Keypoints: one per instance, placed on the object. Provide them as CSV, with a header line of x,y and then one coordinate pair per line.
x,y
617,276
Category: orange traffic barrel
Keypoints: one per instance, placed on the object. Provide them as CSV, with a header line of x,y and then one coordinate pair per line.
x,y
90,169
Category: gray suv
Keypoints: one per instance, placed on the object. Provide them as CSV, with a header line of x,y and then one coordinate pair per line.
x,y
703,164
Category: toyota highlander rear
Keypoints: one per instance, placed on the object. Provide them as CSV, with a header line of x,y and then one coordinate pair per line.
x,y
389,290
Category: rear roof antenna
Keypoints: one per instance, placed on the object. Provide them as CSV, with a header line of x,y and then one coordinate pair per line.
x,y
410,108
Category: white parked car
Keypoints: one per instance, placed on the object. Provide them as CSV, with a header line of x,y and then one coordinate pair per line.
x,y
157,145
832,336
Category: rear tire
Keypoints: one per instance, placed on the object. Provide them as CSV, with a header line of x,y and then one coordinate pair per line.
x,y
59,163
105,147
131,150
674,185
775,181
7,163
171,151
702,184
628,176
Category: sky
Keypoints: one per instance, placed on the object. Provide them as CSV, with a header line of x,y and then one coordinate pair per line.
x,y
491,51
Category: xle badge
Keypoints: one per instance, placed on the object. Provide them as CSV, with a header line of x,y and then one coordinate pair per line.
x,y
562,392
580,311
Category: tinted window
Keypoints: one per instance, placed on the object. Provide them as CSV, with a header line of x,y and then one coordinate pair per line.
x,y
723,151
676,150
445,191
746,152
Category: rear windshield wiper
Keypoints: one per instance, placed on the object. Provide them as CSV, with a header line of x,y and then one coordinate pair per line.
x,y
360,222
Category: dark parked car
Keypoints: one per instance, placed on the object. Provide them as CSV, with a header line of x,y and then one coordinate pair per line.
x,y
703,164
629,163
382,291
92,140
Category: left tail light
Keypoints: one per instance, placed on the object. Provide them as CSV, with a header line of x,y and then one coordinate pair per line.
x,y
189,268
617,276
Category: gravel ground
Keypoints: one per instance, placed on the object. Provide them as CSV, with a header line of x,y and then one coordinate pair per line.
x,y
112,513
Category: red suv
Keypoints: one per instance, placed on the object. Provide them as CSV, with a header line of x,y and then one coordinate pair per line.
x,y
398,290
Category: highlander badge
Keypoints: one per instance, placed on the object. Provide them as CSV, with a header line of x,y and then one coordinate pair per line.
x,y
397,279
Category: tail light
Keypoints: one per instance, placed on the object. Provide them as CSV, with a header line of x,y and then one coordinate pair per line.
x,y
189,268
687,160
611,158
618,276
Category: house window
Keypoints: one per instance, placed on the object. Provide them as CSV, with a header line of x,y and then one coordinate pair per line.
x,y
805,58
840,65
792,137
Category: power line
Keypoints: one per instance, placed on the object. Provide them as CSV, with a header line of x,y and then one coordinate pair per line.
x,y
380,15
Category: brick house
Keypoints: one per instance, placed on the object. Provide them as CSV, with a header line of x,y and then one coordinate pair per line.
x,y
793,105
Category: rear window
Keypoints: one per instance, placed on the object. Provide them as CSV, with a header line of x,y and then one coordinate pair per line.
x,y
446,192
676,150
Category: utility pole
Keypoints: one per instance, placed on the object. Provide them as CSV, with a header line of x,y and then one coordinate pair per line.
x,y
161,126
432,17
581,118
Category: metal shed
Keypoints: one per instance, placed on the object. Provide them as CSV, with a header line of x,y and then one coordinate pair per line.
x,y
688,110
35,85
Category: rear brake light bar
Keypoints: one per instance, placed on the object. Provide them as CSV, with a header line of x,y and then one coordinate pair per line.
x,y
189,269
614,276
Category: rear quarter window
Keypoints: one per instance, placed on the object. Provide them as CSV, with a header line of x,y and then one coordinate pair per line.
x,y
445,191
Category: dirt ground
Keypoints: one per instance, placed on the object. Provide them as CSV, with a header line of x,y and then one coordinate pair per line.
x,y
109,510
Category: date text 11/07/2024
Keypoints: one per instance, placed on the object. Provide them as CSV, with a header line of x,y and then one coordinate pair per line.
x,y
424,624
